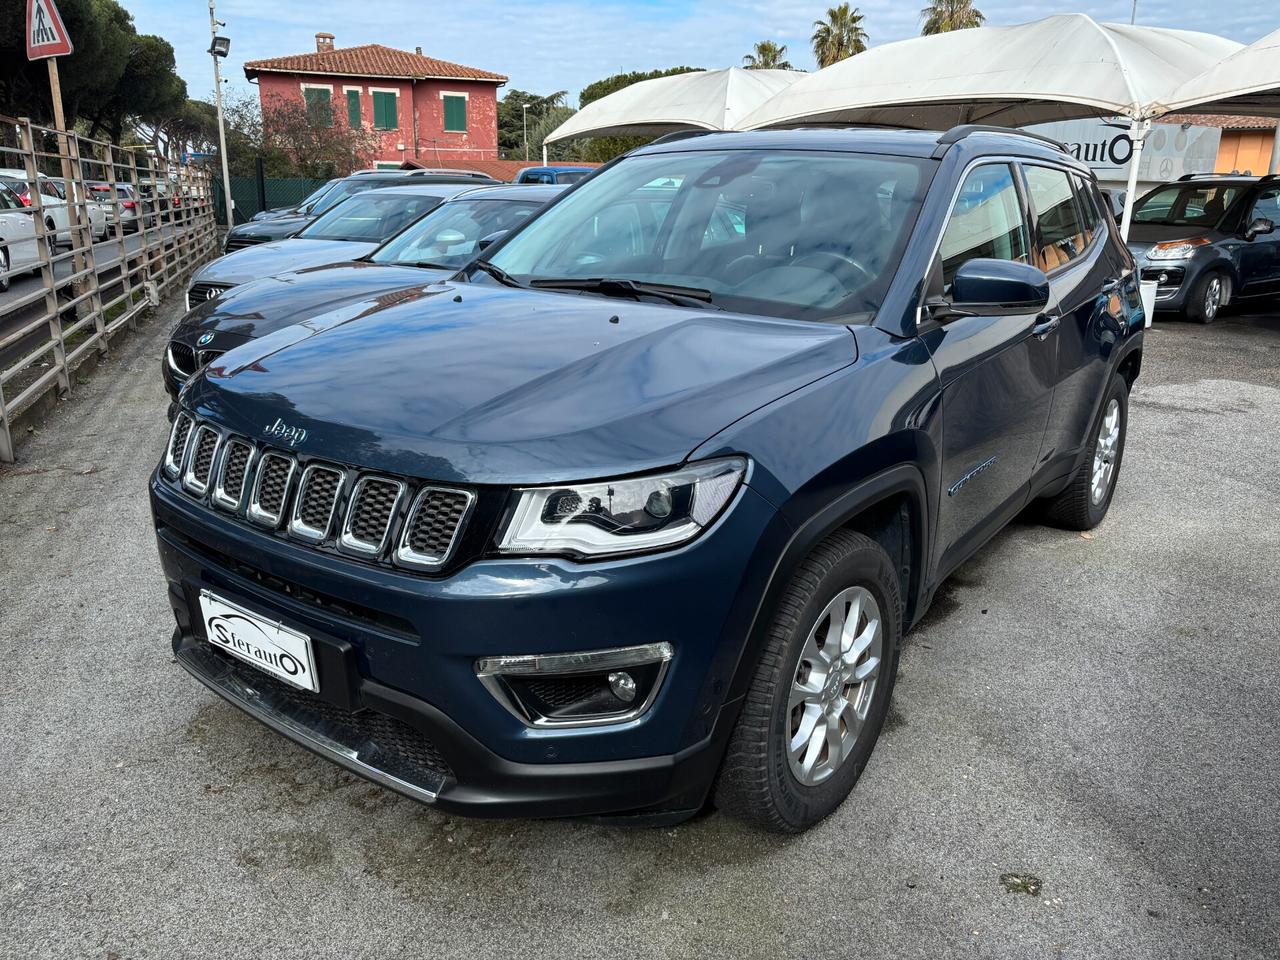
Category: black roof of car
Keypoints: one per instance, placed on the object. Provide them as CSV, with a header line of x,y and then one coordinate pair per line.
x,y
414,188
515,191
404,176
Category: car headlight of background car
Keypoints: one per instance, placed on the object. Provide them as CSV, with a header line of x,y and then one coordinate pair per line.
x,y
613,517
1177,249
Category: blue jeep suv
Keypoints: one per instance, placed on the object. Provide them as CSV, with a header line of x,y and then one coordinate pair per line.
x,y
630,516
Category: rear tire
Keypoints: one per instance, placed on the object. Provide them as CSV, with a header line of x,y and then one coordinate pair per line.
x,y
4,270
1210,294
787,767
1085,501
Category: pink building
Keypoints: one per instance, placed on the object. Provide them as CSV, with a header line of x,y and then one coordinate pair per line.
x,y
432,111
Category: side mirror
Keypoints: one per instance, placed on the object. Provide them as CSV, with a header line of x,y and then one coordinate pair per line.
x,y
491,239
984,287
450,238
1257,227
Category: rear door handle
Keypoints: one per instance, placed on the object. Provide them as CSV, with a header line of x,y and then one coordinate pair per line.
x,y
1045,325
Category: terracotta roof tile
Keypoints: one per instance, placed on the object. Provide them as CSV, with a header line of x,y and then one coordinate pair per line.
x,y
370,60
1226,121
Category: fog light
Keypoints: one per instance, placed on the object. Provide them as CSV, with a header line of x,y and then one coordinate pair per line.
x,y
582,689
623,685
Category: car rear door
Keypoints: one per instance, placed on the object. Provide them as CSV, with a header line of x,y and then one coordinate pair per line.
x,y
996,372
1072,247
1260,257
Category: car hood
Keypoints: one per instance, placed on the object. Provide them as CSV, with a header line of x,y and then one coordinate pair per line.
x,y
478,384
263,306
1142,237
282,256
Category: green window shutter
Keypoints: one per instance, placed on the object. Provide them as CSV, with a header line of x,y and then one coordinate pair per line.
x,y
455,114
319,106
353,108
384,111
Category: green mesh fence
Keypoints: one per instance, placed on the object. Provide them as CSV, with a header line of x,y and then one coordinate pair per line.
x,y
244,194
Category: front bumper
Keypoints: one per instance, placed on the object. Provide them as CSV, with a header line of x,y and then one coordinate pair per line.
x,y
400,702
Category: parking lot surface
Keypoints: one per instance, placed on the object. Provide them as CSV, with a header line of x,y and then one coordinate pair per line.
x,y
1082,760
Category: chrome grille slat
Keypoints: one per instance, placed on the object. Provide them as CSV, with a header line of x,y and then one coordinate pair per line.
x,y
182,359
204,449
434,523
317,502
270,488
370,514
176,452
237,458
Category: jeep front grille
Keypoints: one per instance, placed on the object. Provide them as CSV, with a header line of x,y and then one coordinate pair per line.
x,y
317,501
434,524
371,517
373,507
270,489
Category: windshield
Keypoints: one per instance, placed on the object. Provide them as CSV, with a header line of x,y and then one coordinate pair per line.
x,y
371,217
347,188
447,237
1185,205
802,234
314,195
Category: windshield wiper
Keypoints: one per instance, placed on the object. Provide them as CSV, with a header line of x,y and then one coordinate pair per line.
x,y
623,287
497,273
427,264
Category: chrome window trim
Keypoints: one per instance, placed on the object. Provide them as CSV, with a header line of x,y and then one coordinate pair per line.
x,y
173,468
219,494
346,541
489,671
304,530
407,556
189,481
254,510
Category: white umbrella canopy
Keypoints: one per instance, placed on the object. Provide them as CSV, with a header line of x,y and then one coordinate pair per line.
x,y
702,100
1246,83
1059,68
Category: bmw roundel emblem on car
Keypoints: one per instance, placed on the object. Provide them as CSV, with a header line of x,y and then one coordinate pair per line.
x,y
206,338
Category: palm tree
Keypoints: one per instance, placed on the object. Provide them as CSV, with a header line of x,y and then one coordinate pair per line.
x,y
839,36
942,16
767,55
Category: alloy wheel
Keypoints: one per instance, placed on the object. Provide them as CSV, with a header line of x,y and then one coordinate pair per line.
x,y
1212,297
833,685
1104,451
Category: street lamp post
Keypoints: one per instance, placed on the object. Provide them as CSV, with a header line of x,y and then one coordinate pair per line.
x,y
525,108
219,47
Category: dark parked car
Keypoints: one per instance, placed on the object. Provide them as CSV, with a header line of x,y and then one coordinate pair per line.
x,y
346,231
278,228
432,248
553,174
295,209
633,514
1208,240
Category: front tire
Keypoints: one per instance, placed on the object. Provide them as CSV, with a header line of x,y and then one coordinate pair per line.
x,y
5,279
1085,501
818,701
1210,294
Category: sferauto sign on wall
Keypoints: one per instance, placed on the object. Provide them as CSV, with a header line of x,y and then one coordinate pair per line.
x,y
1171,149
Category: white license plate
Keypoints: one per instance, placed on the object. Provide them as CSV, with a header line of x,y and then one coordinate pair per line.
x,y
270,647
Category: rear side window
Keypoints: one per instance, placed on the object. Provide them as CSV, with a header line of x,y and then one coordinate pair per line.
x,y
986,221
1267,206
1090,212
1062,235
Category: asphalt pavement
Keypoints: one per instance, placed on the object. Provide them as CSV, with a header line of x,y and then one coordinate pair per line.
x,y
1082,759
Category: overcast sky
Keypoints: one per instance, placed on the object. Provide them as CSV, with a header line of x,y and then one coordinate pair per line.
x,y
566,44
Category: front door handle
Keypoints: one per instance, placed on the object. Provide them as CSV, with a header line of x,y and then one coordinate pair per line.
x,y
1045,325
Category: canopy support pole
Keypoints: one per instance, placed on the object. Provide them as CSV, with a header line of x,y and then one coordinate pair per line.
x,y
1275,152
544,153
1138,130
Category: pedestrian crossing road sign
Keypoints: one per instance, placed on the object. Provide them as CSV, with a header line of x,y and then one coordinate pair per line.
x,y
46,35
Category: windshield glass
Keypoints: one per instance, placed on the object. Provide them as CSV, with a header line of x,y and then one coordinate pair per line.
x,y
803,234
447,237
371,217
1185,205
347,188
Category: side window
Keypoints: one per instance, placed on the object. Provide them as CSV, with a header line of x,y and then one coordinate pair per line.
x,y
1062,235
1090,215
6,200
986,221
1266,206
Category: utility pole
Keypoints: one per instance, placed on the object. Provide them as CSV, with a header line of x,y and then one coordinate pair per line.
x,y
525,107
1133,14
220,47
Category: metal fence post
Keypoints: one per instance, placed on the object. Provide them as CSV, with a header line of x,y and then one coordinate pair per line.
x,y
49,250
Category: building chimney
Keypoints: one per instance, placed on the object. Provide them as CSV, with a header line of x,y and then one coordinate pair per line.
x,y
418,51
324,42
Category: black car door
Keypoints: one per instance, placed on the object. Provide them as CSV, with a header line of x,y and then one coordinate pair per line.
x,y
996,373
1071,246
1260,256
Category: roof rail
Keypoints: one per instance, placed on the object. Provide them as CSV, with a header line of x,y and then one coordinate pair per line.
x,y
682,135
958,133
1194,176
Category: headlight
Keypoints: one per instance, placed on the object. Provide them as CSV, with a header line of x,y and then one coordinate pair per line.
x,y
622,516
1177,249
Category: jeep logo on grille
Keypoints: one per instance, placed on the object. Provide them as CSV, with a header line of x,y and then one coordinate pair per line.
x,y
293,436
